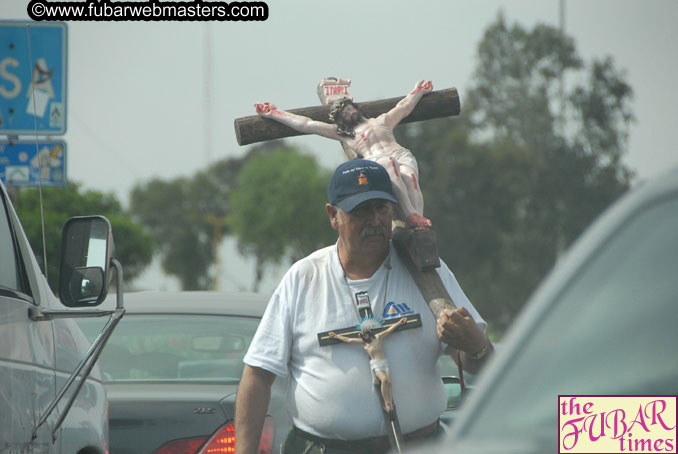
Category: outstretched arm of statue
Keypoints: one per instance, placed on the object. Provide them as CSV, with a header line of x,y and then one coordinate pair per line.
x,y
392,328
334,335
407,104
298,122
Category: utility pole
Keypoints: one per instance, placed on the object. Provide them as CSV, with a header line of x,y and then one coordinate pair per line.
x,y
207,92
562,75
217,222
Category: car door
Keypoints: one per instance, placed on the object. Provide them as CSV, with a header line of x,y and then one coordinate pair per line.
x,y
26,352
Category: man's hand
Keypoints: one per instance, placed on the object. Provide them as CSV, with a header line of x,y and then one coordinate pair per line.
x,y
458,329
422,85
265,109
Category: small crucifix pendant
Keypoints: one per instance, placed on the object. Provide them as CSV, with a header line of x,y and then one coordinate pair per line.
x,y
372,337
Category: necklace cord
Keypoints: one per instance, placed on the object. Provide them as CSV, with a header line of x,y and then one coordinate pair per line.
x,y
387,264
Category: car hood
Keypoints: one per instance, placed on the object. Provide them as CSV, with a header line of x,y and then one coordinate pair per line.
x,y
144,416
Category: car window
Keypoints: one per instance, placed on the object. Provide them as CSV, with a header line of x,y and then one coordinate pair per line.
x,y
611,331
174,347
9,273
448,368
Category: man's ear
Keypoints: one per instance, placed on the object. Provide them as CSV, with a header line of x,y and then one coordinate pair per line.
x,y
333,213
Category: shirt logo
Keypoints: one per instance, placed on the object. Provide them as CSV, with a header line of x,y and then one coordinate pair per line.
x,y
393,309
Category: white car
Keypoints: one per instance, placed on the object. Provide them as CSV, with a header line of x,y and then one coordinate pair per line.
x,y
49,401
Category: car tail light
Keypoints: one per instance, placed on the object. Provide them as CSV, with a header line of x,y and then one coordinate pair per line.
x,y
266,441
223,440
183,446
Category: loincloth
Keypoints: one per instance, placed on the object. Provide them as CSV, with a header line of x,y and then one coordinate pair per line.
x,y
402,156
379,364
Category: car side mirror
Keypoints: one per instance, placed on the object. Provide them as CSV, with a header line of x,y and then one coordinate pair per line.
x,y
453,388
86,252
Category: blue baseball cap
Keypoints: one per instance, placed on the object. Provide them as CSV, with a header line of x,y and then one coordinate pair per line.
x,y
357,181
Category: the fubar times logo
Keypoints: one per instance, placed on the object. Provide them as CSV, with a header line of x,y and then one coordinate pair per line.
x,y
617,424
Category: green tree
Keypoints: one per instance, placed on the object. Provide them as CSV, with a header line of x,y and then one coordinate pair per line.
x,y
277,207
271,198
178,214
511,183
133,245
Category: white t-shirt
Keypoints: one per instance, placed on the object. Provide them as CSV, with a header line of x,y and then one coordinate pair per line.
x,y
331,392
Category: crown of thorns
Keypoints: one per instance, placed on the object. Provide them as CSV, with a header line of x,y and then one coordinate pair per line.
x,y
338,106
369,323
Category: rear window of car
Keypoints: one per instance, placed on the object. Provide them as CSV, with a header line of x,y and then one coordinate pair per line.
x,y
174,347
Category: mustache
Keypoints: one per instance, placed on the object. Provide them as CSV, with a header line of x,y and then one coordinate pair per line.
x,y
369,230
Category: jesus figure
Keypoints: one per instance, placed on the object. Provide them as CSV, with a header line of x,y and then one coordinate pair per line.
x,y
373,139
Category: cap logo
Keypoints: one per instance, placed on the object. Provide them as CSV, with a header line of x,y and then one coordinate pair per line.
x,y
357,181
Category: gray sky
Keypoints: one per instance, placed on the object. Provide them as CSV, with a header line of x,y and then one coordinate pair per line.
x,y
145,101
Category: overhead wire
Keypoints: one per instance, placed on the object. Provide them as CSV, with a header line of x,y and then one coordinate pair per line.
x,y
37,151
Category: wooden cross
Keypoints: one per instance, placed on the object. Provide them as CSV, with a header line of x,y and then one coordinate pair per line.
x,y
324,339
437,104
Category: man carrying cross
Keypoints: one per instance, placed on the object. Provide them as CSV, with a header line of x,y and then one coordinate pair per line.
x,y
330,396
370,138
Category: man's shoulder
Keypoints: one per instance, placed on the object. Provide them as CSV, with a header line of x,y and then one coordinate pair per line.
x,y
308,273
443,270
314,262
320,255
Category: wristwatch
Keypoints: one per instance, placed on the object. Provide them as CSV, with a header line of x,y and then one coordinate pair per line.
x,y
481,353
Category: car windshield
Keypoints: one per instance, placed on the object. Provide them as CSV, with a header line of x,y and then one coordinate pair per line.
x,y
611,331
174,347
9,275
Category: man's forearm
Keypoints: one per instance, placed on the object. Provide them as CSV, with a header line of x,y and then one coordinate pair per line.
x,y
471,364
251,403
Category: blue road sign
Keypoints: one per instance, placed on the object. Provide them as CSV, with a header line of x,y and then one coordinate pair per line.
x,y
22,163
33,78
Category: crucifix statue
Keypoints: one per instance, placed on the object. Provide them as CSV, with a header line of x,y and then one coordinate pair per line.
x,y
370,138
381,374
366,130
371,333
415,245
372,343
